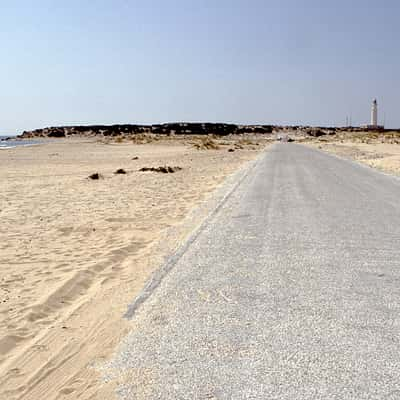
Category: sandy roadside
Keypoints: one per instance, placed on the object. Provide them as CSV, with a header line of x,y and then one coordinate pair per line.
x,y
382,156
74,251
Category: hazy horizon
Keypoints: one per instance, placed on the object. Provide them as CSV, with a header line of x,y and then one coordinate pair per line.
x,y
244,62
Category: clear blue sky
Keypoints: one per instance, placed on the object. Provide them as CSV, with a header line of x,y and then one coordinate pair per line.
x,y
254,61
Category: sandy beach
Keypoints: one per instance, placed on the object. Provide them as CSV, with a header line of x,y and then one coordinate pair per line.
x,y
382,156
75,251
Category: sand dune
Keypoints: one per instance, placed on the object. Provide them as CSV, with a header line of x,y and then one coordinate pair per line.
x,y
73,251
383,156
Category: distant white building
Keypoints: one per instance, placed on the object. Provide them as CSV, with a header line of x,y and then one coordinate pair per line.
x,y
374,113
374,117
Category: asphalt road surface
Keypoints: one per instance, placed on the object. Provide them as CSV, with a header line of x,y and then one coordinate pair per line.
x,y
291,291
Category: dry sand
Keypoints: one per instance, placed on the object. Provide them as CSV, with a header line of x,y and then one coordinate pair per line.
x,y
383,156
74,252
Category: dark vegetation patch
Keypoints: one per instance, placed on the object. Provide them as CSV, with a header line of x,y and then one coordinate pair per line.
x,y
144,133
164,169
206,143
95,176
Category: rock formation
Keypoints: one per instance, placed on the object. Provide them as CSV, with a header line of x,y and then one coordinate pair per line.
x,y
182,128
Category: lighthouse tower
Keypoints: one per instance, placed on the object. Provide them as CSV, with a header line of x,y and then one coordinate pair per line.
x,y
374,113
374,118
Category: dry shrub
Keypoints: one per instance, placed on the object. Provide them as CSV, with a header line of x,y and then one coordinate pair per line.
x,y
246,142
95,176
119,139
206,143
164,169
143,138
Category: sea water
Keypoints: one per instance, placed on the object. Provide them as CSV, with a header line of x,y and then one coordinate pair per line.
x,y
7,144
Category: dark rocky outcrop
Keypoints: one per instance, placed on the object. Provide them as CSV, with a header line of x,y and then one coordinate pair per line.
x,y
164,169
56,133
181,128
262,129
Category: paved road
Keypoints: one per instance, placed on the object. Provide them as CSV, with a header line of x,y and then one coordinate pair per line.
x,y
292,291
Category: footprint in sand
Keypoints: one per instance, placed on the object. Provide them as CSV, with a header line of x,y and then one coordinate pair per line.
x,y
67,390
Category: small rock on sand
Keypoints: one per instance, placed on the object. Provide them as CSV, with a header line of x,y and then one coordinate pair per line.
x,y
95,176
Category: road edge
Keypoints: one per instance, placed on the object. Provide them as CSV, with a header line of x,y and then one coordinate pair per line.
x,y
214,203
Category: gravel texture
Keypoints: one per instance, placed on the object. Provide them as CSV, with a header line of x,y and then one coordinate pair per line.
x,y
290,291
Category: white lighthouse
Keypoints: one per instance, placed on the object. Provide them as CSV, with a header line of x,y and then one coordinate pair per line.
x,y
374,113
374,118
